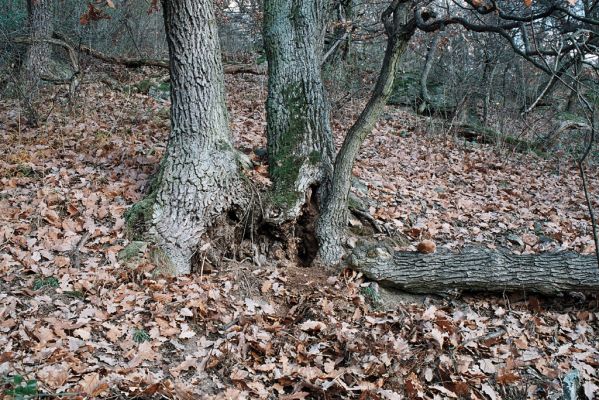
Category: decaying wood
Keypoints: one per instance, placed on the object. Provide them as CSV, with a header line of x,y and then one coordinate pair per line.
x,y
74,80
477,269
148,62
489,136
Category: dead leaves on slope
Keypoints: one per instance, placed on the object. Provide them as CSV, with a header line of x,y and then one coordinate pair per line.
x,y
103,330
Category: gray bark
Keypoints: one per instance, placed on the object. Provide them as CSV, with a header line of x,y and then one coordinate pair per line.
x,y
477,270
199,177
332,222
300,143
37,58
428,65
39,52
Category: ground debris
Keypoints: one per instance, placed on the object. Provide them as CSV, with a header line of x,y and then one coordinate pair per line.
x,y
93,328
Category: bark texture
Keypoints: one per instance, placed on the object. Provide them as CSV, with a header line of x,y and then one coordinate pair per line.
x,y
37,59
477,270
331,225
39,52
199,178
300,144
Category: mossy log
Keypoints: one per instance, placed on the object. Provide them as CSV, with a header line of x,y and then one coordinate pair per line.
x,y
477,269
481,134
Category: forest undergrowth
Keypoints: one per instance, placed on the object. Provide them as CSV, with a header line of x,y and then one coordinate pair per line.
x,y
78,320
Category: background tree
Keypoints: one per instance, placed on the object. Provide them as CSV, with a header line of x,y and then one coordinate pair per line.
x,y
39,53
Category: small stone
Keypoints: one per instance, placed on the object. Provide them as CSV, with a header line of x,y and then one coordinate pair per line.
x,y
515,239
352,242
260,152
354,222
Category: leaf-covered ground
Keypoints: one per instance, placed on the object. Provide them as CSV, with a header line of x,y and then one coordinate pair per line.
x,y
75,320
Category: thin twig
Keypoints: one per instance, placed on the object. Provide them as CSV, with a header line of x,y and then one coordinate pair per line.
x,y
76,252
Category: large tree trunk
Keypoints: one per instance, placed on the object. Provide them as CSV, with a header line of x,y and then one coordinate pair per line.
x,y
332,222
199,176
477,270
300,144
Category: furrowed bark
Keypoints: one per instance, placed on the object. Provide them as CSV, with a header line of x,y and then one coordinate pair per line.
x,y
39,53
477,270
300,144
199,177
331,224
37,59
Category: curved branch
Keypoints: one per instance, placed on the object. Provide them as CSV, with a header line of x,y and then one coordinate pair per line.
x,y
422,15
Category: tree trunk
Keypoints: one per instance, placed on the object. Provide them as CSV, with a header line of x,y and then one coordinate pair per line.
x,y
428,65
332,222
39,53
300,143
488,94
477,270
199,176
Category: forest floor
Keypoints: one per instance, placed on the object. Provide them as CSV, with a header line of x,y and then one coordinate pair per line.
x,y
75,320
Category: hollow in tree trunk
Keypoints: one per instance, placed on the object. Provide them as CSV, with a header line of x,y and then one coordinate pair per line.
x,y
300,144
199,177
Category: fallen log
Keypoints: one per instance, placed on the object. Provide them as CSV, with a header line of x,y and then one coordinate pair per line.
x,y
477,269
489,136
130,62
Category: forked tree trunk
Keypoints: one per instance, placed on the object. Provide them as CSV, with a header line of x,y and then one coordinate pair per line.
x,y
332,222
477,270
300,144
199,177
